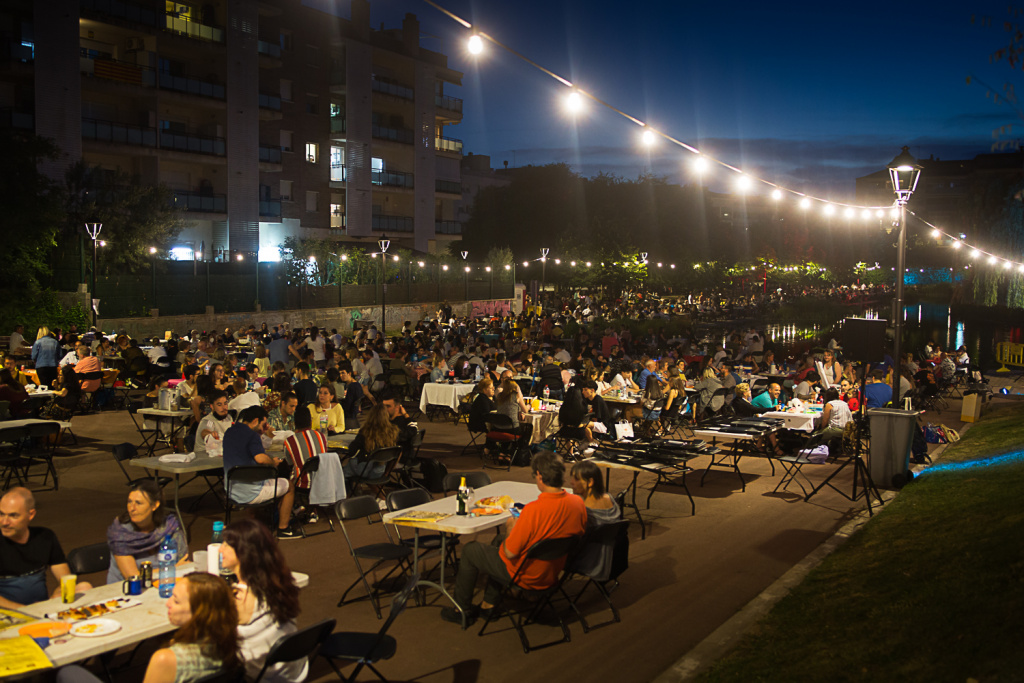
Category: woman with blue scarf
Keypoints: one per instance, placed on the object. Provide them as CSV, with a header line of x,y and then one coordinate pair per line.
x,y
136,535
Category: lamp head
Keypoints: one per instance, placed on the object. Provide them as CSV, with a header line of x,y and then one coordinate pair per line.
x,y
904,171
384,243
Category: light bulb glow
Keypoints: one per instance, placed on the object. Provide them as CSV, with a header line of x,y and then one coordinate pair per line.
x,y
865,214
444,267
936,234
574,102
975,253
487,268
475,44
776,194
957,244
588,264
805,203
152,250
648,137
1006,264
525,264
848,212
991,260
829,209
508,267
700,164
467,269
344,257
394,258
743,183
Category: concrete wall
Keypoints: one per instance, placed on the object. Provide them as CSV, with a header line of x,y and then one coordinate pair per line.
x,y
340,318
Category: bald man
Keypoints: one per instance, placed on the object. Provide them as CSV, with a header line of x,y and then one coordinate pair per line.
x,y
26,552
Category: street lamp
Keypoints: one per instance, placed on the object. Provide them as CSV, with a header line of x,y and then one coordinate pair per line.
x,y
543,274
466,269
904,171
383,243
94,232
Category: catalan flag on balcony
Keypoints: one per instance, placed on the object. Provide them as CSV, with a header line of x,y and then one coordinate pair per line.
x,y
117,71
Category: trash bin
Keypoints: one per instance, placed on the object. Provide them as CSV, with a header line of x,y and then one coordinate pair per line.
x,y
892,434
971,410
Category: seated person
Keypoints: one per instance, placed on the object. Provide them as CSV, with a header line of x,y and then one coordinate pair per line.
x,y
848,392
282,418
65,401
482,404
550,377
187,386
327,412
305,388
834,417
573,417
588,483
511,404
597,411
555,514
768,399
216,424
26,552
136,535
152,397
876,392
741,403
244,397
304,444
355,392
805,390
243,446
377,432
12,391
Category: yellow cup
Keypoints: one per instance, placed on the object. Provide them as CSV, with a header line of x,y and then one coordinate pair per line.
x,y
68,582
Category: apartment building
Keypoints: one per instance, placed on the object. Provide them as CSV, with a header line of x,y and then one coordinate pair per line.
x,y
267,118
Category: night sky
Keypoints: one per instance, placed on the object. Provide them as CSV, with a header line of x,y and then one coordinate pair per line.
x,y
808,96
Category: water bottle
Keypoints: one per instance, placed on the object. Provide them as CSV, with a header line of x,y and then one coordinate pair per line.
x,y
477,374
323,425
461,497
213,550
547,393
165,559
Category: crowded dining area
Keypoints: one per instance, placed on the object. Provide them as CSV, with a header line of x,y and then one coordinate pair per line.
x,y
293,501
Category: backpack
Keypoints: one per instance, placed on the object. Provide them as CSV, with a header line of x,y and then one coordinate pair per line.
x,y
432,474
522,456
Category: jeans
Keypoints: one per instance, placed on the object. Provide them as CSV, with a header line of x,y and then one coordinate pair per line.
x,y
480,557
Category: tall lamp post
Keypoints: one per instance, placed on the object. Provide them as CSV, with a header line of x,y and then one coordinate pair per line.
x,y
94,232
465,269
543,274
383,243
904,171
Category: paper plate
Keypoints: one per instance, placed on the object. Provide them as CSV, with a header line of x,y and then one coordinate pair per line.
x,y
44,629
93,628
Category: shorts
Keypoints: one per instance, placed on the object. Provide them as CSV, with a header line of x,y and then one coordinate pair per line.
x,y
267,492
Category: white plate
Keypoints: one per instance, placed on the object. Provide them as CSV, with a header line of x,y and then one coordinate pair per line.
x,y
94,628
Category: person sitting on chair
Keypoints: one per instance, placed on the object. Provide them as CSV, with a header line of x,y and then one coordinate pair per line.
x,y
834,417
555,514
377,432
767,399
876,392
588,484
511,404
326,411
136,535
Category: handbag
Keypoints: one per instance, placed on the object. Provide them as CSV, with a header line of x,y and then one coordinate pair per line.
x,y
623,430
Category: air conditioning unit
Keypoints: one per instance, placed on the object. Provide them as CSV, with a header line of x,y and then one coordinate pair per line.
x,y
134,44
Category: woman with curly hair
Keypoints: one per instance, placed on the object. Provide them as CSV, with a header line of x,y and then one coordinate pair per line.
x,y
266,597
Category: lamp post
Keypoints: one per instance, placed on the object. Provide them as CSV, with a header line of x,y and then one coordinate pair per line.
x,y
465,269
383,243
94,232
904,171
543,274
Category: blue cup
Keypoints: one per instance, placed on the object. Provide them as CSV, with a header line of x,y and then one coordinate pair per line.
x,y
132,586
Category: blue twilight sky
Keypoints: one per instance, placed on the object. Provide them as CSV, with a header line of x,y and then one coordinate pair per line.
x,y
810,95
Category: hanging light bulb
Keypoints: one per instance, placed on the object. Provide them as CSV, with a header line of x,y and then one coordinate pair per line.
x,y
936,234
957,244
648,137
865,214
574,102
700,165
1006,264
991,260
879,213
805,203
743,183
829,209
475,45
848,212
776,194
975,253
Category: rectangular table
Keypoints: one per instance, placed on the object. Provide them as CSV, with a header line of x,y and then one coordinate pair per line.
x,y
176,418
736,445
799,421
446,395
461,524
197,468
137,623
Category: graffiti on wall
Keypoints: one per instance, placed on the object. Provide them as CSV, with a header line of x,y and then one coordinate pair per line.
x,y
489,309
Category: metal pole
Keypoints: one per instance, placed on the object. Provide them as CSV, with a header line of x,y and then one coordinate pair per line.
x,y
341,273
257,279
383,291
901,255
92,291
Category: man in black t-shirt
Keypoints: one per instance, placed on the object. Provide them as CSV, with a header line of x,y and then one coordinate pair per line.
x,y
26,552
305,388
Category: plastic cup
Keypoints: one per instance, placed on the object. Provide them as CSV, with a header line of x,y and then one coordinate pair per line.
x,y
199,559
68,583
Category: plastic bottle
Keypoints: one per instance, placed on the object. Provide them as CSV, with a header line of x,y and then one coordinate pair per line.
x,y
547,393
165,559
323,425
461,497
213,550
477,373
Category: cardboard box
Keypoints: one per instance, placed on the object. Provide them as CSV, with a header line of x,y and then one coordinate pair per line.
x,y
971,411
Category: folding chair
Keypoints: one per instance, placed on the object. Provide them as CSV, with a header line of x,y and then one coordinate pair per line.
x,y
428,543
12,440
303,644
149,436
126,451
549,550
474,480
248,474
43,442
382,456
31,406
366,649
401,473
89,559
611,541
365,507
473,436
5,410
309,469
501,433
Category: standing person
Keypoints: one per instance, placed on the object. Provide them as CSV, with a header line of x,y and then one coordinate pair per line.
x,y
305,388
354,393
243,446
316,342
26,552
326,404
46,354
137,533
833,370
266,597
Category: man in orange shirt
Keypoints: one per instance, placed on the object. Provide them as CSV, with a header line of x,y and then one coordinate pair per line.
x,y
89,363
555,514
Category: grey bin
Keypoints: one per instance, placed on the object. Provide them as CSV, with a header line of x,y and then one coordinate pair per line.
x,y
892,434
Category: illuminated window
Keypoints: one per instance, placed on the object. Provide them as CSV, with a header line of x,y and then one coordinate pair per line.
x,y
312,152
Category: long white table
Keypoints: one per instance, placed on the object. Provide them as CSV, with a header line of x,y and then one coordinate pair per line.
x,y
798,421
461,524
447,395
137,623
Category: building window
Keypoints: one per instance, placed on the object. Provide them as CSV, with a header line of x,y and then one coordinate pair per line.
x,y
312,152
337,209
286,141
312,55
312,200
286,90
285,40
286,190
312,104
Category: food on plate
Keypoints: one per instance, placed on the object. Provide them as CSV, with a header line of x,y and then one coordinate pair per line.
x,y
503,502
95,610
485,512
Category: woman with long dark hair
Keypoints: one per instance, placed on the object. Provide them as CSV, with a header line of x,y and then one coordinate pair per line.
x,y
266,597
137,533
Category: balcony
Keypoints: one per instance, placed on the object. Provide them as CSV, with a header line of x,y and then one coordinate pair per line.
x,y
338,124
196,144
10,118
338,174
403,135
447,227
448,145
108,131
394,89
391,178
449,186
270,102
187,200
192,86
268,49
448,103
115,70
338,219
193,29
270,155
383,223
128,11
270,208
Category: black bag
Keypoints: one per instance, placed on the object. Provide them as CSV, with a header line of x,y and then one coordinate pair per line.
x,y
522,456
919,447
432,474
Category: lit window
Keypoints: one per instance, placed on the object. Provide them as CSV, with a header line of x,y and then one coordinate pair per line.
x,y
312,152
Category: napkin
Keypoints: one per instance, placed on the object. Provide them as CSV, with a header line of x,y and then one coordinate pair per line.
x,y
178,457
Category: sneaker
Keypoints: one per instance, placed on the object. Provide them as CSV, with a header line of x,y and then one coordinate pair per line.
x,y
588,452
455,616
313,518
288,532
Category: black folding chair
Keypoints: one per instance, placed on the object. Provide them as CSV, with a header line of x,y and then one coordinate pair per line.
x,y
149,436
501,434
43,438
31,406
401,473
548,550
366,649
365,507
303,644
248,474
474,480
124,452
89,559
428,543
612,541
12,441
382,456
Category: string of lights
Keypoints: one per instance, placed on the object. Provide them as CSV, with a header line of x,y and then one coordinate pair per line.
x,y
701,162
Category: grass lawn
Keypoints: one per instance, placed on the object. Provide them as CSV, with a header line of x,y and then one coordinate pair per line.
x,y
931,589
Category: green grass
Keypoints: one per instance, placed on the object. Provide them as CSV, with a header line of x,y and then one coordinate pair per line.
x,y
931,589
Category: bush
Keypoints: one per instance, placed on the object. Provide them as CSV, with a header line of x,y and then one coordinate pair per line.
x,y
46,310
